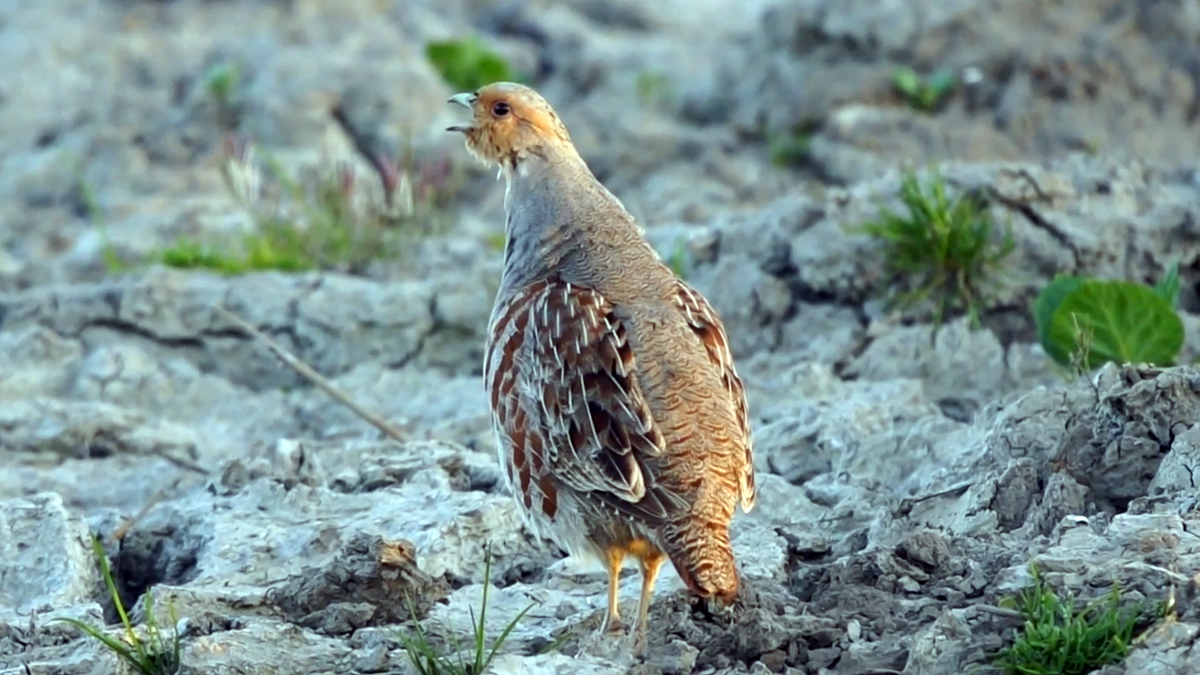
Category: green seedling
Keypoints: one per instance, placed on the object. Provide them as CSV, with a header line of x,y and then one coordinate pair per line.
x,y
154,654
1170,285
924,94
221,81
654,88
790,149
494,241
947,250
678,259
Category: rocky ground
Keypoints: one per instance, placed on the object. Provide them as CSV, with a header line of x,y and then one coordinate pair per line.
x,y
906,481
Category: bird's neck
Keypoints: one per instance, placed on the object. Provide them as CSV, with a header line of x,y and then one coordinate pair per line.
x,y
561,221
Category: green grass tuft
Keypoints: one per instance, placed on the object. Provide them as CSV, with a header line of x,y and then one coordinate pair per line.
x,y
467,64
947,251
427,660
1059,639
156,653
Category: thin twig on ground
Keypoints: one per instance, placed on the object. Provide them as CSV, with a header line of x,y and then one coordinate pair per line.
x,y
316,378
179,461
1000,611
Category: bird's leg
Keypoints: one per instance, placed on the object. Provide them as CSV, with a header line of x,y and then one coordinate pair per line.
x,y
612,621
651,565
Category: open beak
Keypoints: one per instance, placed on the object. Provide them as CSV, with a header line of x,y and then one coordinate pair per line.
x,y
466,100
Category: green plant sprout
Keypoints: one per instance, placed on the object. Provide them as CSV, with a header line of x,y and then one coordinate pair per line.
x,y
790,149
678,259
494,240
947,249
467,64
156,654
426,659
654,88
1058,639
221,80
923,94
1120,321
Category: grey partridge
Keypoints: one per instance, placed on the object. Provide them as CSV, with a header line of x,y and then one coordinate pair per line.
x,y
620,419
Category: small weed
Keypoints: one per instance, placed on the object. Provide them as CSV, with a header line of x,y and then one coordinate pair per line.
x,y
221,81
790,149
654,88
923,94
495,241
322,221
89,205
426,659
1170,285
467,64
947,248
1083,349
1058,639
156,654
678,260
1083,323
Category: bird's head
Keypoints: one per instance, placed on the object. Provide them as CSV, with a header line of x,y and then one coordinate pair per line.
x,y
509,122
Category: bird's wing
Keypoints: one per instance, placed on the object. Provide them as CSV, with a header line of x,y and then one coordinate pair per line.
x,y
561,377
707,326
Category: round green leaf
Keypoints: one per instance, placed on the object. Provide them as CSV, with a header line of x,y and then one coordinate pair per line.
x,y
1128,323
1043,315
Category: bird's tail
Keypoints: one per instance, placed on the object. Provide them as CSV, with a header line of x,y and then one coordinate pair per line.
x,y
703,557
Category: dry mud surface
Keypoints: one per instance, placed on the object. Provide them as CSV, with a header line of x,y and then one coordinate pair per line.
x,y
906,482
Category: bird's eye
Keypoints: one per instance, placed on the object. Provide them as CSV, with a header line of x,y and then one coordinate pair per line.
x,y
500,109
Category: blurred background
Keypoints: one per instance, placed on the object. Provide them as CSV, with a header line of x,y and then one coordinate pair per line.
x,y
115,113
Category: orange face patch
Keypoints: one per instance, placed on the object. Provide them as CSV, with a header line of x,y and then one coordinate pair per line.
x,y
509,121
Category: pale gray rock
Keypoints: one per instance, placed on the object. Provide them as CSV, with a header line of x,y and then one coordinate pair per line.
x,y
962,369
46,556
1032,81
1169,650
862,433
1177,474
